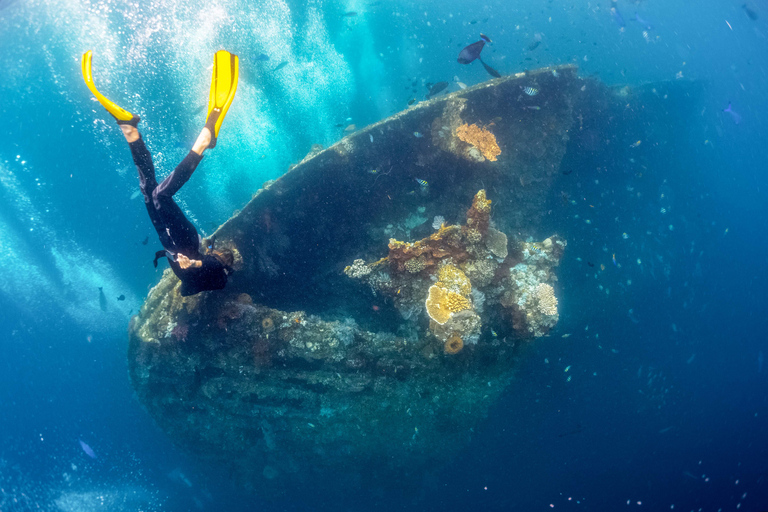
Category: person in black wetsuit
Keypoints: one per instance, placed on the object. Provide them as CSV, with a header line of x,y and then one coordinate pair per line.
x,y
198,270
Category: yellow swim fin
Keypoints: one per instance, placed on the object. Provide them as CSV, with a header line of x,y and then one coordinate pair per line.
x,y
122,115
223,88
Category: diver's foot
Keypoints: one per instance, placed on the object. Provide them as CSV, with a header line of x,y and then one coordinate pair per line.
x,y
202,142
131,132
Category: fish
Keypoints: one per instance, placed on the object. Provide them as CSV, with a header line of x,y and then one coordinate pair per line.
x,y
421,182
145,241
489,69
411,101
555,73
87,449
436,89
614,260
350,14
371,137
590,264
461,85
121,297
642,22
135,194
350,128
102,300
280,66
736,117
472,51
530,91
262,57
616,15
752,14
418,135
533,45
533,107
566,173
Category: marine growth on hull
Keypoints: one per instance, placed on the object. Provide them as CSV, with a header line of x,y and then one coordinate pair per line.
x,y
384,288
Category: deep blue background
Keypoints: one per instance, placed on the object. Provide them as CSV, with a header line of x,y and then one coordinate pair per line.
x,y
666,404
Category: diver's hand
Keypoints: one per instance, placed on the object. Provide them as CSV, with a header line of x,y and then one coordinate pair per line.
x,y
185,262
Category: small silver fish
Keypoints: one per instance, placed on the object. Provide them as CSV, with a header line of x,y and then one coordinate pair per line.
x,y
418,135
371,136
555,73
461,85
531,91
533,107
423,183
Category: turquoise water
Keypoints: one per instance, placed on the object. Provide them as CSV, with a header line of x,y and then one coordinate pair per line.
x,y
674,413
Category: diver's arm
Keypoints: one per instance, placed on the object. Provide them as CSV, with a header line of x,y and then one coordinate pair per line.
x,y
186,263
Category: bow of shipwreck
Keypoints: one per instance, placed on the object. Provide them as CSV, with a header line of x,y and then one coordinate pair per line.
x,y
385,287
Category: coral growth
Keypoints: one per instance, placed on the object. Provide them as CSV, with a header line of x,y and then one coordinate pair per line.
x,y
460,273
357,269
479,215
267,324
444,243
480,138
441,304
496,241
545,299
454,280
453,344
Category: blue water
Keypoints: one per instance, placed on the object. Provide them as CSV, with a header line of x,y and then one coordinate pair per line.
x,y
663,405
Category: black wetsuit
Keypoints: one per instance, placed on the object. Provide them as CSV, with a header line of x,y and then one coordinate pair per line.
x,y
176,232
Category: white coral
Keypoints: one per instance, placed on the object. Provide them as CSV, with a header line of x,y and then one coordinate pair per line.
x,y
546,300
438,221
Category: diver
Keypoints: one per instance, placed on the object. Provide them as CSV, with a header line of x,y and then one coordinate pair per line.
x,y
198,269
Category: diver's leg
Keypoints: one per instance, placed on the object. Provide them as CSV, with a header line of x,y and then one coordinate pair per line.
x,y
143,161
184,170
203,141
131,132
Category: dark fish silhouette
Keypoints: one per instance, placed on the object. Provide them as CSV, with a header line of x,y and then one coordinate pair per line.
x,y
411,101
102,299
489,69
350,14
534,44
145,241
472,51
281,66
590,264
261,57
752,14
121,297
437,89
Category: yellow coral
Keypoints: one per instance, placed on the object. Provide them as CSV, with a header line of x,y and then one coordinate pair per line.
x,y
480,138
441,304
547,302
457,303
453,344
454,279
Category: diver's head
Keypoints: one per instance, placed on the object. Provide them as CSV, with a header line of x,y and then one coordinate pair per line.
x,y
225,256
